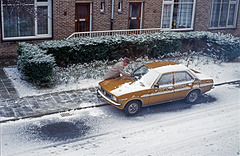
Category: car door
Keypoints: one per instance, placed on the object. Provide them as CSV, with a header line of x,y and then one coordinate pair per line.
x,y
183,83
163,90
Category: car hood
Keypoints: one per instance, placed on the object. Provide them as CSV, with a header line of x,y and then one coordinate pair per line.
x,y
112,84
122,86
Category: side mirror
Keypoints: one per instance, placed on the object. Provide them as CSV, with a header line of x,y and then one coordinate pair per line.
x,y
196,79
156,86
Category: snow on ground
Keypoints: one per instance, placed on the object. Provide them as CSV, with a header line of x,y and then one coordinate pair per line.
x,y
208,128
220,72
26,89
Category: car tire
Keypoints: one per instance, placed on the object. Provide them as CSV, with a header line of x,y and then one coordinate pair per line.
x,y
133,107
192,97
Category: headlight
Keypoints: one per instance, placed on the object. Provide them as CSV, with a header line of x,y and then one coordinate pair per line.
x,y
114,98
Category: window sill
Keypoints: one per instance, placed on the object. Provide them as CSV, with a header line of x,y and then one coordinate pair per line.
x,y
221,28
42,37
185,29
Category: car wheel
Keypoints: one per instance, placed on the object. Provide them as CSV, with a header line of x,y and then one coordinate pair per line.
x,y
192,96
132,107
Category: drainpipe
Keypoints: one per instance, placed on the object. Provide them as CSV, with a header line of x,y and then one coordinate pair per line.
x,y
90,20
111,28
141,20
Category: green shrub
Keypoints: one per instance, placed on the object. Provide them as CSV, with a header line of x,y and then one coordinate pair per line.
x,y
85,50
223,45
35,65
36,62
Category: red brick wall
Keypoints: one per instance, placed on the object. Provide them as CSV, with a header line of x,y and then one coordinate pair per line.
x,y
101,21
152,14
121,19
63,18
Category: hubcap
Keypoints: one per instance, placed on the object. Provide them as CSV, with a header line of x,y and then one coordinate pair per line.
x,y
133,108
193,96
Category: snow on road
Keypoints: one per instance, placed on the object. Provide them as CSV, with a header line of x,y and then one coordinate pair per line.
x,y
209,128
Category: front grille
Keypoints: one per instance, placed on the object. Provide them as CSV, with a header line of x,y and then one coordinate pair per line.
x,y
106,93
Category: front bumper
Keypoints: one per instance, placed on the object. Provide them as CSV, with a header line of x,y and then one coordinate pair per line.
x,y
107,99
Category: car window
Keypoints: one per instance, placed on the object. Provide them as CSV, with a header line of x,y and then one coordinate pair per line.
x,y
166,79
182,77
149,78
141,71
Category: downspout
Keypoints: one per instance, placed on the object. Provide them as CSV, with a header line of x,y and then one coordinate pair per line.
x,y
111,28
90,20
141,20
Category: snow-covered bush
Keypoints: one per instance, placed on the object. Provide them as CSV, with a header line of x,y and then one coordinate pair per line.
x,y
85,50
223,45
35,64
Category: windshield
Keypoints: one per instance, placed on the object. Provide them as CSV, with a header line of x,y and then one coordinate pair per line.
x,y
139,72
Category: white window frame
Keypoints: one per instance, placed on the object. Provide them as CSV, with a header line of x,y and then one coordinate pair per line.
x,y
36,36
171,2
227,26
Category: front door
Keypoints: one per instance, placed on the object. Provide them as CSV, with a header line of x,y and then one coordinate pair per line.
x,y
134,15
164,90
82,17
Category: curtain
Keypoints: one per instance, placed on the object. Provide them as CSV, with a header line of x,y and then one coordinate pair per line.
x,y
166,16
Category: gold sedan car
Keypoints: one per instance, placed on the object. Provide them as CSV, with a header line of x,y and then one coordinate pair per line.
x,y
154,83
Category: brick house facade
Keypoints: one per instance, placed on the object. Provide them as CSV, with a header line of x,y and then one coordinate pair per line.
x,y
68,16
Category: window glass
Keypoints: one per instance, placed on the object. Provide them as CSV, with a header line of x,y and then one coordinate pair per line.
x,y
23,18
42,0
182,15
166,79
177,14
182,77
166,16
141,71
231,16
18,23
120,7
102,7
134,10
223,13
42,20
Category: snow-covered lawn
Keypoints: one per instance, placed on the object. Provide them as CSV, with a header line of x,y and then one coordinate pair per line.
x,y
88,75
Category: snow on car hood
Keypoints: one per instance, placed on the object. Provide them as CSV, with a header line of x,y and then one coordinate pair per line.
x,y
144,83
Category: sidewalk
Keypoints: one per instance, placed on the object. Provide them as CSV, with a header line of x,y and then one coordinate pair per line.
x,y
13,108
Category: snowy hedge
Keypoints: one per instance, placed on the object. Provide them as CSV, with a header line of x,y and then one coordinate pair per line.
x,y
81,50
35,64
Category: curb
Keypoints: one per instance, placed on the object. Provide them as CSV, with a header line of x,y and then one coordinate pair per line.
x,y
41,115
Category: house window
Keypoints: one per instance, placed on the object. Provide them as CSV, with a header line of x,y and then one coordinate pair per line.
x,y
102,7
120,7
224,13
178,14
27,19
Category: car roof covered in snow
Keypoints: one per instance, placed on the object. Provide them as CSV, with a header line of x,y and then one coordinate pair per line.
x,y
166,66
160,64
